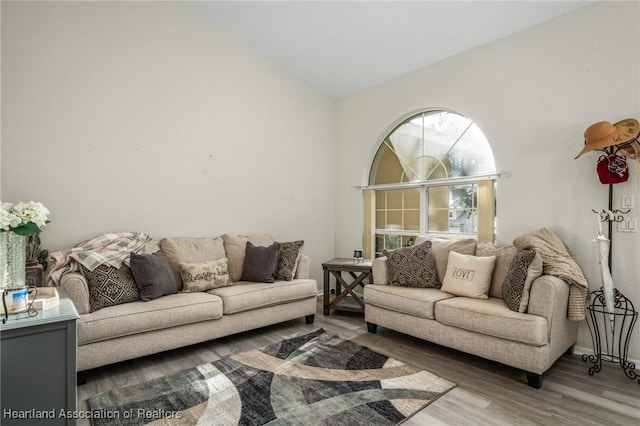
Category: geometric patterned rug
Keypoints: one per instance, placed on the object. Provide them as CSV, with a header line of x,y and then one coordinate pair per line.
x,y
314,379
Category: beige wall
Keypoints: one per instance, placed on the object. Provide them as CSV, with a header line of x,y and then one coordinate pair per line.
x,y
533,94
143,116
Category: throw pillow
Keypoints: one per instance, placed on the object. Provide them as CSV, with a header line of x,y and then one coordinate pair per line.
x,y
260,263
109,286
504,256
468,276
288,260
205,276
524,269
190,250
441,248
235,247
412,266
153,275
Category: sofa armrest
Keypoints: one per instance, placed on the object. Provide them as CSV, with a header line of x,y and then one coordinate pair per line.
x,y
549,298
304,263
546,295
76,286
379,271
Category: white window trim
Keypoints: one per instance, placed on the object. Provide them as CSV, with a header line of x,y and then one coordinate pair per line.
x,y
435,182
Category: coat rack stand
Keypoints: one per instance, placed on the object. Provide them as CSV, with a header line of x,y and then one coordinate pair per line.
x,y
611,331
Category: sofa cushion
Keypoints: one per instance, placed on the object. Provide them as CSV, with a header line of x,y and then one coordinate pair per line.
x,y
524,269
290,252
109,286
417,302
205,276
504,256
153,275
140,317
190,250
412,266
441,248
235,247
468,276
244,295
260,263
494,318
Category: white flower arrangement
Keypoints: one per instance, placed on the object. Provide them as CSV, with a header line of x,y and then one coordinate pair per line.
x,y
23,218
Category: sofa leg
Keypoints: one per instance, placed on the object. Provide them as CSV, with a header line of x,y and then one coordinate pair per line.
x,y
534,380
309,318
372,328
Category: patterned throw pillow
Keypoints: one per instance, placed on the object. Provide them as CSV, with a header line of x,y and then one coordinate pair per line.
x,y
109,286
288,260
468,276
524,269
412,266
205,276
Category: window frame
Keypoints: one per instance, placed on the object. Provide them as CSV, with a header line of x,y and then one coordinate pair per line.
x,y
486,198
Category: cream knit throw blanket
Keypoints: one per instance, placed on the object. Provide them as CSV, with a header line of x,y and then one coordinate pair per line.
x,y
557,261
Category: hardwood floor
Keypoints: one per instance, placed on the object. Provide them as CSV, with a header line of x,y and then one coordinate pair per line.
x,y
488,393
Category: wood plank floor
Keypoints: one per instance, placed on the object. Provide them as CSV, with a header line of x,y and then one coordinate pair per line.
x,y
488,393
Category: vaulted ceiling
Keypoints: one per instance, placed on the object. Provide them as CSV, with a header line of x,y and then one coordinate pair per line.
x,y
341,47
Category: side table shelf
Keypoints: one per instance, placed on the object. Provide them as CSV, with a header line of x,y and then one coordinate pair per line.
x,y
611,333
357,272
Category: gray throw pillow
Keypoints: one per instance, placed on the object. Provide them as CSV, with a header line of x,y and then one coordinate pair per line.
x,y
109,286
260,263
152,275
412,266
525,267
288,260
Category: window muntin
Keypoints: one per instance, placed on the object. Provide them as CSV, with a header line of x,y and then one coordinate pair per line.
x,y
432,145
440,146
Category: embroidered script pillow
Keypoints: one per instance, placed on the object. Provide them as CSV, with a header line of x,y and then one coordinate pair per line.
x,y
205,276
468,276
412,266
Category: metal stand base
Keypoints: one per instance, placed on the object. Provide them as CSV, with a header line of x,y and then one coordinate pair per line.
x,y
611,330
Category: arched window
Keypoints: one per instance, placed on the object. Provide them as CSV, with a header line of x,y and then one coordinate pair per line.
x,y
433,174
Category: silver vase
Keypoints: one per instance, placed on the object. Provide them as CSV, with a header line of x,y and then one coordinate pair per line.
x,y
12,260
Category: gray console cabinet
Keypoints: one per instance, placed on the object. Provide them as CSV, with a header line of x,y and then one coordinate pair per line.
x,y
38,366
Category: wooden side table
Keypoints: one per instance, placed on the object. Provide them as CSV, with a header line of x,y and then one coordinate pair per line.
x,y
358,271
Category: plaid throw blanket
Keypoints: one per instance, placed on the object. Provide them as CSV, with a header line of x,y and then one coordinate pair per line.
x,y
112,249
557,261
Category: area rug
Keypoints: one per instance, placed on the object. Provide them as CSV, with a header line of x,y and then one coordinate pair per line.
x,y
314,379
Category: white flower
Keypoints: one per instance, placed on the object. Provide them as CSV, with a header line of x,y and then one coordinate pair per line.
x,y
8,219
23,218
32,212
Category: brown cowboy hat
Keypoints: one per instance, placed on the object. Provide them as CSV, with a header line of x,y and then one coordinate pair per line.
x,y
604,134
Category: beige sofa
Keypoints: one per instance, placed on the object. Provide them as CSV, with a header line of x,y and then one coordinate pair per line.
x,y
136,329
531,341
